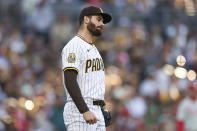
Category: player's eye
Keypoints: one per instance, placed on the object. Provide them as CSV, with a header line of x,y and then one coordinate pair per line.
x,y
99,19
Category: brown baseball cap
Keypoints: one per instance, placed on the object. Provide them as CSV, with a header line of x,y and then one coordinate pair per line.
x,y
92,10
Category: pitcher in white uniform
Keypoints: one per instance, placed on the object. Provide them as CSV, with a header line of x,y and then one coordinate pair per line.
x,y
83,74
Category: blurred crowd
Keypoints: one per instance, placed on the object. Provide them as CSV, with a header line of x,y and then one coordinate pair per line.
x,y
144,37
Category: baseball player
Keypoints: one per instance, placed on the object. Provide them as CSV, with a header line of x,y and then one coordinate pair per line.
x,y
83,74
187,111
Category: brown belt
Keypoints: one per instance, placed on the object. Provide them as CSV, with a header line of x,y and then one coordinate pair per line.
x,y
100,103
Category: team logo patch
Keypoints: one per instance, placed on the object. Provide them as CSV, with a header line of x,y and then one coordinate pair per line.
x,y
71,58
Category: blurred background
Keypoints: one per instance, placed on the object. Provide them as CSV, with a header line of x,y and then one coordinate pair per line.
x,y
149,51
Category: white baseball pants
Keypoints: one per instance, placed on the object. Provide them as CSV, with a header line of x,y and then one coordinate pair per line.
x,y
74,121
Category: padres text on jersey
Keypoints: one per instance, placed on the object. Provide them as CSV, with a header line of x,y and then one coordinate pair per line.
x,y
94,65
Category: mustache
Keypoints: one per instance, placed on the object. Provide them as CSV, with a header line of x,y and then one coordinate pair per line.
x,y
100,27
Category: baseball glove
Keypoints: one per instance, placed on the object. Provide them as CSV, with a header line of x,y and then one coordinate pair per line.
x,y
107,116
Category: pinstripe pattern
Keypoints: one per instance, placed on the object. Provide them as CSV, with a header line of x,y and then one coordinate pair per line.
x,y
91,84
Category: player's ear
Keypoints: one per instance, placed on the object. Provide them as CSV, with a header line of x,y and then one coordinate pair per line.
x,y
86,19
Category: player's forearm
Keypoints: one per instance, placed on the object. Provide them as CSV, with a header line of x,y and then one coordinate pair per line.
x,y
72,86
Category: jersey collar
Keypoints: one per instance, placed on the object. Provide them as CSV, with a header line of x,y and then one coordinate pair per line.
x,y
85,40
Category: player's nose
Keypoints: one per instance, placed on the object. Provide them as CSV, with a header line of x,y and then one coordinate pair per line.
x,y
102,24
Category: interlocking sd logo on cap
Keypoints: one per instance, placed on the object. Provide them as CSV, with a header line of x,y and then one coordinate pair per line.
x,y
101,10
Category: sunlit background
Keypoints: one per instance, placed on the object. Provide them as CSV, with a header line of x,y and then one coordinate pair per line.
x,y
149,51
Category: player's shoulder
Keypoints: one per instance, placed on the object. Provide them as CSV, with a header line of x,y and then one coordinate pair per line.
x,y
75,42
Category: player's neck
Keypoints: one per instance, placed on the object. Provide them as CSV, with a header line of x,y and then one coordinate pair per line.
x,y
85,35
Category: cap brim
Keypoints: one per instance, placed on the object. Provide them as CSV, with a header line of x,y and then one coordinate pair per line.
x,y
106,17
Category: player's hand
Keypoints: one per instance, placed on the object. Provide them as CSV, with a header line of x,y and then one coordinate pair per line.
x,y
90,117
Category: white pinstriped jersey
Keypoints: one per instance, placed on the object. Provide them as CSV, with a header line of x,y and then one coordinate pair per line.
x,y
86,60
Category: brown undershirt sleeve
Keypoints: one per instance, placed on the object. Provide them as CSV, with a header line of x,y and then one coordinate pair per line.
x,y
72,86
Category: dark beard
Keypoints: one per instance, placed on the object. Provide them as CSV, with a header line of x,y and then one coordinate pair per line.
x,y
92,29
